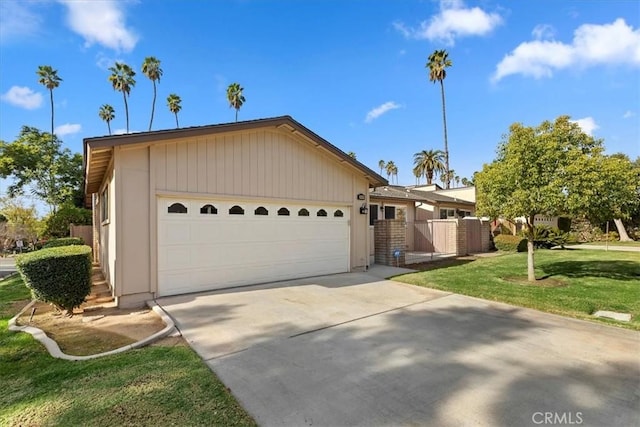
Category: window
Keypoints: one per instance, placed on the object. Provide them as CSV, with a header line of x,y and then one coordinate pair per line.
x,y
104,205
208,209
464,214
338,213
303,212
261,211
177,208
283,212
373,214
321,212
236,210
447,213
389,212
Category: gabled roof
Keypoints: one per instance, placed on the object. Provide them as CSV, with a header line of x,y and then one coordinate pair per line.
x,y
407,193
98,150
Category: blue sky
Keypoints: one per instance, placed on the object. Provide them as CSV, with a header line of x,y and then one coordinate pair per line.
x,y
352,71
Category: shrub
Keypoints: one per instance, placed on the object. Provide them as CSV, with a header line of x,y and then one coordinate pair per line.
x,y
505,242
63,241
61,276
564,224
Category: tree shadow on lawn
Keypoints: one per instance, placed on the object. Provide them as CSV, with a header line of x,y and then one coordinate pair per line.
x,y
443,263
617,270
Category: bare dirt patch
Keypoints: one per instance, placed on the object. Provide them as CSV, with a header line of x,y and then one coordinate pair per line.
x,y
97,330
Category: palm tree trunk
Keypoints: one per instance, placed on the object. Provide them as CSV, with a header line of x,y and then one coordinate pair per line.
x,y
429,176
236,114
446,143
51,96
153,104
126,109
109,126
177,125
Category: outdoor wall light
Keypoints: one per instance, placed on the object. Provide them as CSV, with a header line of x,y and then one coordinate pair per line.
x,y
364,209
360,196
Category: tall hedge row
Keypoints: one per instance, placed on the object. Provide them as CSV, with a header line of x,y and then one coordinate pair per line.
x,y
60,275
507,242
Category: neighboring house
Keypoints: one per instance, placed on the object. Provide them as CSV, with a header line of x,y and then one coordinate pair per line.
x,y
413,205
208,207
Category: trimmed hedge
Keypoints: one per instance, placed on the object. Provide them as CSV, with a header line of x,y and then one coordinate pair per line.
x,y
61,275
509,243
63,241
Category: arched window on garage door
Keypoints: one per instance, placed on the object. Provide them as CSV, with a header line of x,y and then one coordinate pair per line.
x,y
261,211
208,209
303,212
283,212
321,212
338,213
236,210
177,208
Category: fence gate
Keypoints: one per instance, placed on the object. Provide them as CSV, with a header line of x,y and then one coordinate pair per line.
x,y
474,235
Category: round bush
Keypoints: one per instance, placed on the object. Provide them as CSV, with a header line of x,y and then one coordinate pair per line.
x,y
61,275
509,243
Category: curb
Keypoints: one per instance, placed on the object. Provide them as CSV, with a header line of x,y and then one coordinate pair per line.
x,y
54,350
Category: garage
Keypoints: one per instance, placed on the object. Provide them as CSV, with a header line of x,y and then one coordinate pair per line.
x,y
207,244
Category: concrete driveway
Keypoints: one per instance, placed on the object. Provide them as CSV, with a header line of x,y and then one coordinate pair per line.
x,y
355,349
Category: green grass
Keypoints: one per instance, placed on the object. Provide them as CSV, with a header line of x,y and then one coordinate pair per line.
x,y
593,280
155,386
614,243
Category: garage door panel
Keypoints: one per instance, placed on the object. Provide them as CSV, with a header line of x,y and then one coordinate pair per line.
x,y
198,252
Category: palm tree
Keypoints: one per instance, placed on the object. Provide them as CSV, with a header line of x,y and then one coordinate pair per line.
x,y
48,77
389,168
438,63
173,101
428,162
235,98
352,154
122,80
417,172
457,180
395,173
151,68
381,165
465,182
107,113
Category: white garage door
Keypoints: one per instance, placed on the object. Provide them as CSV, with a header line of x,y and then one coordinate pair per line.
x,y
208,244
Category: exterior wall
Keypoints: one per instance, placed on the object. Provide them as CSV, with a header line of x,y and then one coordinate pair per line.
x,y
468,194
390,237
410,209
107,231
241,166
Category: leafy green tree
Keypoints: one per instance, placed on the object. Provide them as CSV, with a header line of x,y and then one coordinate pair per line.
x,y
48,77
21,223
352,154
36,161
107,113
427,162
465,182
174,104
235,97
151,69
57,224
122,80
437,64
381,165
553,169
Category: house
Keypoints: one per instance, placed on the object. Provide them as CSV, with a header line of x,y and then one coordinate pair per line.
x,y
210,207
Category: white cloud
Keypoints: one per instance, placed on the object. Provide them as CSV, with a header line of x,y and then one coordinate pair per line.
x,y
104,62
101,22
119,132
17,19
628,114
23,97
454,20
610,44
67,129
380,110
543,32
588,125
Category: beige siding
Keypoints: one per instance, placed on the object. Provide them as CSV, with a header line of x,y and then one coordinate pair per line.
x,y
258,164
107,229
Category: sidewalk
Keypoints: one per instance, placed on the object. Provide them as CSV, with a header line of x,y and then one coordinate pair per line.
x,y
605,248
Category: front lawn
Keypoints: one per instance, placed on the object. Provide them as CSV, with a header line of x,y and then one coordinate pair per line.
x,y
151,386
582,282
614,243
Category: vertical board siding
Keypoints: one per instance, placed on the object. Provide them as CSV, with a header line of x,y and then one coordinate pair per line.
x,y
262,164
